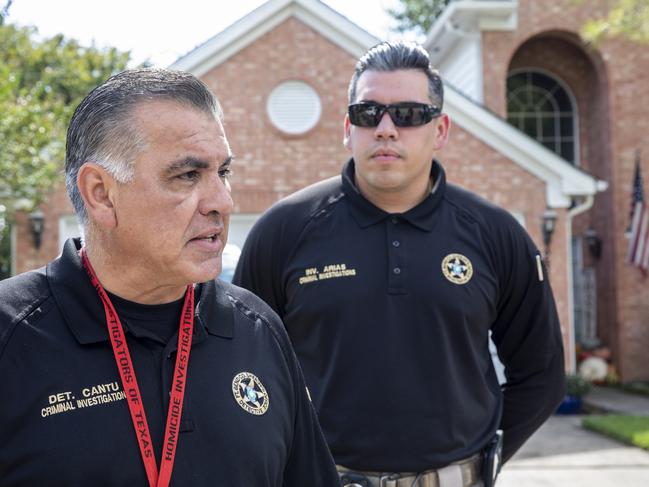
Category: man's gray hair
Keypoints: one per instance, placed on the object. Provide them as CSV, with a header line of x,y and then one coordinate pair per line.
x,y
394,56
102,129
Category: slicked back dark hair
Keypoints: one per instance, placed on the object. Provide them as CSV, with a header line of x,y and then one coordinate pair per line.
x,y
394,56
102,129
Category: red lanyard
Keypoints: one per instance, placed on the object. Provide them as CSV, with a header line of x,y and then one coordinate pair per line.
x,y
129,382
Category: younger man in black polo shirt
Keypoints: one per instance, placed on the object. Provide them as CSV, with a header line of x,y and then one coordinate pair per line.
x,y
389,281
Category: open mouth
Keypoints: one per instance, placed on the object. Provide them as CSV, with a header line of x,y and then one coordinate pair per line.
x,y
209,238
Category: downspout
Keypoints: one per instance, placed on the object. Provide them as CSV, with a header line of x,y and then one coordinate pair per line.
x,y
13,251
572,213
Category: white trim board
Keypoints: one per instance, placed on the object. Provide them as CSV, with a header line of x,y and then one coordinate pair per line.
x,y
324,20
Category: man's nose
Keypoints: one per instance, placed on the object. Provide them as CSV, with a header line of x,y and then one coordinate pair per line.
x,y
216,197
386,129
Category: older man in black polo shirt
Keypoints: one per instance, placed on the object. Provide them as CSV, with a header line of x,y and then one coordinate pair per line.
x,y
124,362
389,281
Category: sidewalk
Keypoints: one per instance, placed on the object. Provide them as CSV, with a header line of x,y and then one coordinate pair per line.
x,y
614,401
563,454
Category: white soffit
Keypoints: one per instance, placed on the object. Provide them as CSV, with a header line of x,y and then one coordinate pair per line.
x,y
563,180
324,20
467,19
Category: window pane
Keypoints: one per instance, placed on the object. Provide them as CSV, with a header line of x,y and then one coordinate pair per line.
x,y
538,105
568,151
548,127
567,128
543,81
536,98
563,101
530,127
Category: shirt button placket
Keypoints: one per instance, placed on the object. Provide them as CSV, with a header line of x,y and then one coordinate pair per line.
x,y
395,255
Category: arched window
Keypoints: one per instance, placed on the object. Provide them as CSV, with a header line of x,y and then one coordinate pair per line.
x,y
542,107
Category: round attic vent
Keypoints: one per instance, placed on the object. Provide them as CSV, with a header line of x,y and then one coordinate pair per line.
x,y
294,107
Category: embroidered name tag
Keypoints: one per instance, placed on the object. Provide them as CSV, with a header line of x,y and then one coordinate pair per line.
x,y
62,402
331,271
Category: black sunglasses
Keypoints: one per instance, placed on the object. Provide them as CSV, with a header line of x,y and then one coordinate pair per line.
x,y
405,114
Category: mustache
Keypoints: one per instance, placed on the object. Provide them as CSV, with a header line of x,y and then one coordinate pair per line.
x,y
386,149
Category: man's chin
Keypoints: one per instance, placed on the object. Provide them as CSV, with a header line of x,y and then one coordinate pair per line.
x,y
206,271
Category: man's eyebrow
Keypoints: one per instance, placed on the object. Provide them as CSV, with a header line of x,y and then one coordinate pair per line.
x,y
193,163
187,163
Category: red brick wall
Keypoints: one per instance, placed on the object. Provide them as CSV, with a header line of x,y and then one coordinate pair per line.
x,y
269,163
27,257
609,82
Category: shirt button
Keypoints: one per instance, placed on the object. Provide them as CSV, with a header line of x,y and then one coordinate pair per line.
x,y
397,270
395,243
395,220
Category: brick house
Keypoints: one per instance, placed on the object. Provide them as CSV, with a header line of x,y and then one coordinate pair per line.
x,y
540,121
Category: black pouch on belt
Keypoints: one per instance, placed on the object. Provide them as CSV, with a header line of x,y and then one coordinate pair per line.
x,y
492,459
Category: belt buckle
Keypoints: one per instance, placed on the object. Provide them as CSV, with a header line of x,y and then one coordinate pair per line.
x,y
384,479
354,479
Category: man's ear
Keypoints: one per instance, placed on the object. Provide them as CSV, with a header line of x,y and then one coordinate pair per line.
x,y
347,133
442,128
97,188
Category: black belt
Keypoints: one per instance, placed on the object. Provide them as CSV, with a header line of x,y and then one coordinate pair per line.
x,y
465,473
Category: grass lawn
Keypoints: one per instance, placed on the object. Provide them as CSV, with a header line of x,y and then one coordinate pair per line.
x,y
629,429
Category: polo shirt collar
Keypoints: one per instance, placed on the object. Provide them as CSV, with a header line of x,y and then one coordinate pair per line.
x,y
421,216
84,314
214,310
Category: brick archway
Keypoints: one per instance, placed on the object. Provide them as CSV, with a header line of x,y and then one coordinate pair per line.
x,y
564,56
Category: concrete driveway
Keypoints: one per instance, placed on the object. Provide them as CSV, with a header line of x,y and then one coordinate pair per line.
x,y
563,454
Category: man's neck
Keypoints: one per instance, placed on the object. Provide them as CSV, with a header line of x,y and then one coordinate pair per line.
x,y
126,280
397,201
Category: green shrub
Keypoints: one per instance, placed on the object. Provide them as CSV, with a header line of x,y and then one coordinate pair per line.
x,y
576,385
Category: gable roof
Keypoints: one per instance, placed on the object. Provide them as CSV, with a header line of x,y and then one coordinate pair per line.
x,y
317,15
563,180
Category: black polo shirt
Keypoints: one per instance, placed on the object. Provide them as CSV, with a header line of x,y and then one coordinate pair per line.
x,y
64,420
390,314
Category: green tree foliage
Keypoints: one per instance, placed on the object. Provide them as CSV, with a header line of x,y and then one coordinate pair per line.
x,y
41,82
417,15
625,18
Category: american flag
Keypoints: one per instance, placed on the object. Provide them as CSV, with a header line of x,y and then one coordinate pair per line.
x,y
638,251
